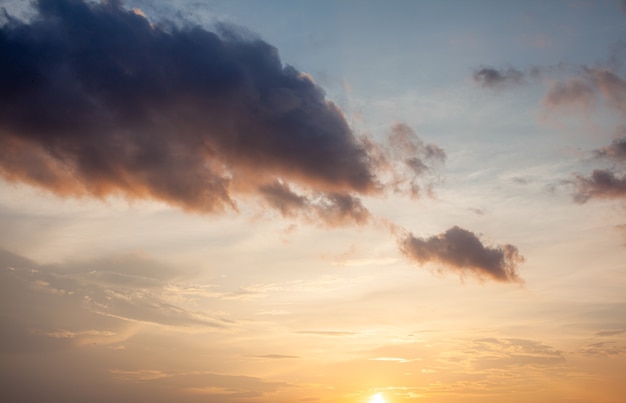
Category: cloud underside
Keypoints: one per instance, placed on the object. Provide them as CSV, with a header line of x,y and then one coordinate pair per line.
x,y
461,251
97,100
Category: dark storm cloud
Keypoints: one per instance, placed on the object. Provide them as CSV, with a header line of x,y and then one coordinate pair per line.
x,y
96,100
493,78
602,184
462,251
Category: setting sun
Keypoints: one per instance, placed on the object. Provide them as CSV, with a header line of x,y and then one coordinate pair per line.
x,y
378,398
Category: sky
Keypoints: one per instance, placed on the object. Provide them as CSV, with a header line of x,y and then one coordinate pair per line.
x,y
313,201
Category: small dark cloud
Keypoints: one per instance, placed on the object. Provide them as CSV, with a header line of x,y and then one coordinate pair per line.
x,y
462,251
519,181
489,77
602,184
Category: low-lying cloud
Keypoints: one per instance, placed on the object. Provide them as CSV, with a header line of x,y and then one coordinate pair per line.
x,y
462,251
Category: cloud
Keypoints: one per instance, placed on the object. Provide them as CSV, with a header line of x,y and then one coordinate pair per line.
x,y
404,160
616,151
586,87
502,353
604,349
334,208
489,77
55,307
462,251
602,184
99,101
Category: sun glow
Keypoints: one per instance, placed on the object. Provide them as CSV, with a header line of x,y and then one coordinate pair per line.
x,y
378,398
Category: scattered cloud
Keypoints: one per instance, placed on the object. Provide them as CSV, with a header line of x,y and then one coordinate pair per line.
x,y
462,251
585,88
602,184
490,77
616,151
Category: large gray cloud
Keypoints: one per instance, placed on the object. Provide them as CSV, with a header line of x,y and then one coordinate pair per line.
x,y
98,100
462,251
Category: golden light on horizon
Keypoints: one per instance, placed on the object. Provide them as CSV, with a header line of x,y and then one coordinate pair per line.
x,y
378,398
